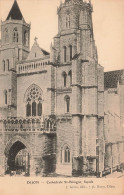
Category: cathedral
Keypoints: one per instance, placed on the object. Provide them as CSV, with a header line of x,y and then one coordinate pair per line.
x,y
60,113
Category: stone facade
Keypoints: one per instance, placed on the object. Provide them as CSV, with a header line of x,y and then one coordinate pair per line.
x,y
56,105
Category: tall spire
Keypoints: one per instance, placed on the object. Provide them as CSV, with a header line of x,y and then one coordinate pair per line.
x,y
15,13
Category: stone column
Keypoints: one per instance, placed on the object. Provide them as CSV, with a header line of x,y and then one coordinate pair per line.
x,y
109,160
32,168
2,165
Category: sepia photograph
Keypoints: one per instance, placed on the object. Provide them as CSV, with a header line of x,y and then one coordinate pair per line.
x,y
61,89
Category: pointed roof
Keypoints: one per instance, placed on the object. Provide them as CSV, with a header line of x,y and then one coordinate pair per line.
x,y
15,13
112,78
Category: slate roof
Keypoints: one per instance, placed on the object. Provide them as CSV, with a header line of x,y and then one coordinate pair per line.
x,y
15,13
111,78
44,52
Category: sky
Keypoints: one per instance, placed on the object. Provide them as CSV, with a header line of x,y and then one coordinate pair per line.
x,y
108,23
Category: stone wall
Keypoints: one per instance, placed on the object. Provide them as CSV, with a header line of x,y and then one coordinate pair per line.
x,y
8,82
42,80
64,138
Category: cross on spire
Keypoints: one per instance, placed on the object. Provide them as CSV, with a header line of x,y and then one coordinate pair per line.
x,y
35,39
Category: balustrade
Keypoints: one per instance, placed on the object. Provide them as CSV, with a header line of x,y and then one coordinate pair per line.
x,y
33,66
28,125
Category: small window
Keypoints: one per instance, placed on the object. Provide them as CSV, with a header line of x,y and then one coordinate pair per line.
x,y
64,78
4,66
15,35
65,155
67,104
70,77
26,38
8,65
6,36
5,96
67,21
70,48
64,54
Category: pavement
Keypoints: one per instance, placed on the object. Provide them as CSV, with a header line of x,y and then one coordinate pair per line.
x,y
112,175
115,175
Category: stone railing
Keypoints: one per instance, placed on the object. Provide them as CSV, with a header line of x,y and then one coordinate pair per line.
x,y
32,66
110,170
28,125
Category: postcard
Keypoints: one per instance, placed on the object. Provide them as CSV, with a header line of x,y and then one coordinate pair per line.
x,y
61,97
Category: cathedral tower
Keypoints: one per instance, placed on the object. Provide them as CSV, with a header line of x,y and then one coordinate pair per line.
x,y
15,34
80,78
75,31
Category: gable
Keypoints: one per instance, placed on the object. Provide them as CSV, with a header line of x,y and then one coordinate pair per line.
x,y
36,52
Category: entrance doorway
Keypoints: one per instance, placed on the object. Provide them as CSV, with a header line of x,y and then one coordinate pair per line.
x,y
18,160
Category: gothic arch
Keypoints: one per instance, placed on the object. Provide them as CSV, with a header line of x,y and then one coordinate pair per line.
x,y
67,21
65,154
5,96
26,37
15,35
66,145
6,35
67,103
29,88
14,140
70,75
64,75
33,101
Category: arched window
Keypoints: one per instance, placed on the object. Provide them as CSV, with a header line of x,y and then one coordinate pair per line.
x,y
65,53
7,64
64,78
33,99
67,21
5,96
39,109
6,35
70,77
15,35
70,48
28,109
4,66
65,155
33,108
26,38
67,104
